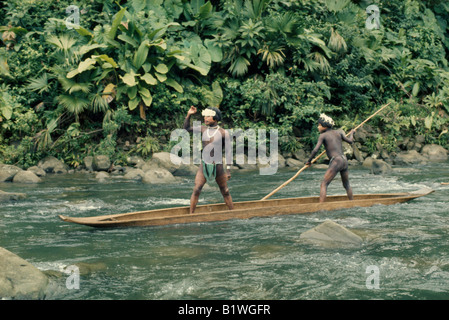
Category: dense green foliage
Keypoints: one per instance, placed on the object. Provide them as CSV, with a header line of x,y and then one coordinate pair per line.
x,y
130,70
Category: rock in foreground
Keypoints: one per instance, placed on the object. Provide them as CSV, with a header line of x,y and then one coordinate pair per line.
x,y
330,233
19,279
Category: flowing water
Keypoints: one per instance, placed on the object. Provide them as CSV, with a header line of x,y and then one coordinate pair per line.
x,y
258,258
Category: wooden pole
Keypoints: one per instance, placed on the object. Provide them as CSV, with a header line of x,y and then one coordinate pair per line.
x,y
316,158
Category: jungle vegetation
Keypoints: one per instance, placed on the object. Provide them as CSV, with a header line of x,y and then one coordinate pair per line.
x,y
86,77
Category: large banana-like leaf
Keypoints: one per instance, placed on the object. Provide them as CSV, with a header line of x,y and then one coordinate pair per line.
x,y
129,79
141,54
116,22
175,85
161,68
149,79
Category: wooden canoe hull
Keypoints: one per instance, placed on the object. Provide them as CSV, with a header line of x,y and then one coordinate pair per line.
x,y
242,210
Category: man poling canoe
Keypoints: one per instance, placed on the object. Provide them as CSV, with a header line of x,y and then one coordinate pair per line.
x,y
211,167
321,154
332,141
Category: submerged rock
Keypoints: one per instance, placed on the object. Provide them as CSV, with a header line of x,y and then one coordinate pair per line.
x,y
19,279
8,196
330,233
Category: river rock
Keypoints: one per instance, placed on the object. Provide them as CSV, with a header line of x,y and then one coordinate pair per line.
x,y
245,165
134,174
52,165
380,167
368,162
186,170
409,157
356,152
19,279
9,196
37,171
331,234
281,161
300,155
290,162
434,153
101,163
166,160
102,176
88,163
26,177
136,161
7,172
158,176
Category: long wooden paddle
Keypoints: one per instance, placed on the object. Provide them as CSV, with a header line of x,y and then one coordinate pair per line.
x,y
316,158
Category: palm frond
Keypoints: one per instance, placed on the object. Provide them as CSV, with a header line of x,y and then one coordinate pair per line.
x,y
273,55
72,86
99,104
239,66
336,42
39,84
323,63
73,104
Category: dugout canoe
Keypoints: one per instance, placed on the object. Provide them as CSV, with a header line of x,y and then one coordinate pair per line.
x,y
242,210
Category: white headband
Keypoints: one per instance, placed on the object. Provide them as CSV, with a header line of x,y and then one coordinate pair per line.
x,y
327,119
208,113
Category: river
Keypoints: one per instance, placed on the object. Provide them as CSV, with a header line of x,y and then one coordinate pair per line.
x,y
258,258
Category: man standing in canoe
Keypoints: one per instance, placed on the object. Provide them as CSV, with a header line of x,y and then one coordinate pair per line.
x,y
213,139
332,140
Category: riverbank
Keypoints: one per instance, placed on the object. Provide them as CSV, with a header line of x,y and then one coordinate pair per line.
x,y
163,167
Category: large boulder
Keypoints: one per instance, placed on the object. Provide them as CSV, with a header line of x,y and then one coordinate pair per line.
x,y
52,165
26,177
8,196
37,171
330,233
186,170
19,279
380,167
101,163
167,160
409,157
7,172
158,176
434,153
300,155
134,174
291,162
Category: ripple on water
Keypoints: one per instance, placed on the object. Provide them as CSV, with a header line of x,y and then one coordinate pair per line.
x,y
259,258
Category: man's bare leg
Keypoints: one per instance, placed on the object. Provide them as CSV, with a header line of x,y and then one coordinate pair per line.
x,y
200,180
328,177
223,185
345,180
